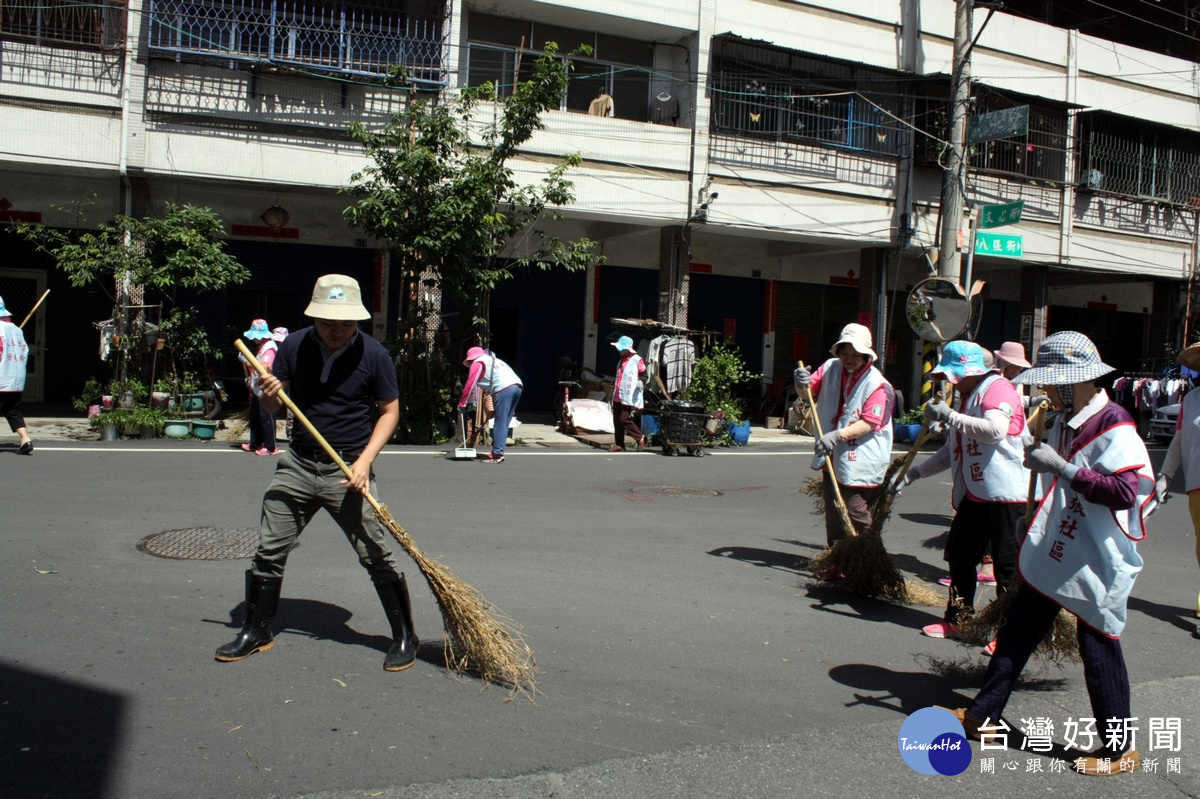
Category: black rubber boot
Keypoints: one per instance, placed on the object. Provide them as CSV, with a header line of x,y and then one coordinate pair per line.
x,y
262,600
403,651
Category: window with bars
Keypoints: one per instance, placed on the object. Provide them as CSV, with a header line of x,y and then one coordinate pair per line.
x,y
361,38
1135,159
786,96
98,23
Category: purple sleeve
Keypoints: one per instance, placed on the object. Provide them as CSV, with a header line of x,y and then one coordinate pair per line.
x,y
1116,491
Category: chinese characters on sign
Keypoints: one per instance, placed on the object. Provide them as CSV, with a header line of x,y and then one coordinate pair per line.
x,y
1036,734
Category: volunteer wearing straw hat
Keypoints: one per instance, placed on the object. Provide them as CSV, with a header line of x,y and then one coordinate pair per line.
x,y
984,451
336,375
14,355
854,406
262,421
498,382
627,396
1185,450
1080,553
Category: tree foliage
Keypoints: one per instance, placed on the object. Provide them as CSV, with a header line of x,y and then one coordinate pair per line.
x,y
440,192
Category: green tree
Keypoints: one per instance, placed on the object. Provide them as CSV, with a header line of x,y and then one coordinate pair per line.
x,y
183,249
439,190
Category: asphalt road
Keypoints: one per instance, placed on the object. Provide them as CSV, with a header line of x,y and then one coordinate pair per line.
x,y
683,650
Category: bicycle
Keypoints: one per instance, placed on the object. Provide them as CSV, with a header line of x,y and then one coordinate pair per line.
x,y
569,374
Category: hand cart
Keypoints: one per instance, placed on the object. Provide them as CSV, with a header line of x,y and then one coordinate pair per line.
x,y
681,424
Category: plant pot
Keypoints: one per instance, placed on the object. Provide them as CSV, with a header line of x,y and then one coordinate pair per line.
x,y
109,432
899,433
160,400
204,430
914,430
147,431
649,424
192,402
176,428
740,433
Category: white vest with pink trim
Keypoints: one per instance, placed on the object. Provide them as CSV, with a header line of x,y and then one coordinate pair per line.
x,y
13,359
987,472
1082,555
862,462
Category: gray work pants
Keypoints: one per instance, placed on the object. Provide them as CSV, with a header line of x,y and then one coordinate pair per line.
x,y
299,489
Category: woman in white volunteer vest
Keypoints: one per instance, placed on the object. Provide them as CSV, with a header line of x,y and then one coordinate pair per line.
x,y
14,355
262,421
983,450
854,405
627,396
1185,449
497,380
1080,553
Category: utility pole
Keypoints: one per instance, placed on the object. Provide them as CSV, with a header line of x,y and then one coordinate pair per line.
x,y
953,174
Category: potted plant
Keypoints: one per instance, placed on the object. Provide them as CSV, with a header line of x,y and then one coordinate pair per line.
x,y
909,425
721,382
111,423
149,421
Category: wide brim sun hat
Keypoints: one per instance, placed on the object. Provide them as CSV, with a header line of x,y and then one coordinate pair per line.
x,y
473,354
1064,359
337,298
960,359
624,343
857,336
279,334
1190,357
258,330
1012,353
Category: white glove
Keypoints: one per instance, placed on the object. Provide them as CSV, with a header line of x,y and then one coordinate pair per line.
x,y
902,483
802,377
1160,489
828,442
937,412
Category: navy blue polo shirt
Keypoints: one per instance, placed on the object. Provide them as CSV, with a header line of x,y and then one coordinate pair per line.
x,y
340,408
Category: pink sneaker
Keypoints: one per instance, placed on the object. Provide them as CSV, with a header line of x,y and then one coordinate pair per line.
x,y
941,630
247,448
986,579
265,451
945,580
990,649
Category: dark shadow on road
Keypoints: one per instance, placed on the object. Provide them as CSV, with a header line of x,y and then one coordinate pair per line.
x,y
58,738
1175,616
832,599
927,518
768,558
938,541
326,622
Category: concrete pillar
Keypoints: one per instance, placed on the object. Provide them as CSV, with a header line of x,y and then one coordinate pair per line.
x,y
1033,307
674,246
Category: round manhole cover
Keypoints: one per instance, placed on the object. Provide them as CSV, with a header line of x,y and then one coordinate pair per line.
x,y
675,491
202,543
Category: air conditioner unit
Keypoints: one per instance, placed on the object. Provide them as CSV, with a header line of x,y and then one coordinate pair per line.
x,y
1093,179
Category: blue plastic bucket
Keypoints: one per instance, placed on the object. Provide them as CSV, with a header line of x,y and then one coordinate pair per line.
x,y
740,433
649,424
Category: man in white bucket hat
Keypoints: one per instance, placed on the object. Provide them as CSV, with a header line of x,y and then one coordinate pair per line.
x,y
854,406
336,375
1080,553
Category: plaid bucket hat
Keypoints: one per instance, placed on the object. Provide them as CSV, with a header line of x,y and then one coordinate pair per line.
x,y
1064,359
960,359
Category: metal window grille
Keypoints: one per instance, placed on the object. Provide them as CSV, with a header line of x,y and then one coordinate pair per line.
x,y
1039,154
1139,160
360,38
98,23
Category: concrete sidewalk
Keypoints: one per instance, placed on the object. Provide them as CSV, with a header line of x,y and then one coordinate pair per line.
x,y
53,424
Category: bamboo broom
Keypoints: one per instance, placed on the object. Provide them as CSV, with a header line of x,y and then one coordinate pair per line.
x,y
1060,643
480,640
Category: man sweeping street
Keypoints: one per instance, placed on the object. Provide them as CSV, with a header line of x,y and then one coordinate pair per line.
x,y
1080,554
336,375
984,450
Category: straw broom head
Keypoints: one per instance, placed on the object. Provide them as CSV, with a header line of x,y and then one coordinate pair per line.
x,y
869,571
1060,644
480,640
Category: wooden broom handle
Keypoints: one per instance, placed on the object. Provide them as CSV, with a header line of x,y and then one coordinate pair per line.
x,y
837,492
300,417
33,310
1038,420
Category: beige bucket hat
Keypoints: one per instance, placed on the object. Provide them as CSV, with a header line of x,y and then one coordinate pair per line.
x,y
337,297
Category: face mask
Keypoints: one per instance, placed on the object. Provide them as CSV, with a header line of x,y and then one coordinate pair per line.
x,y
1067,393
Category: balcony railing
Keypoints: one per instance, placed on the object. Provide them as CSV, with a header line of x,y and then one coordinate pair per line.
x,y
93,24
358,38
1148,162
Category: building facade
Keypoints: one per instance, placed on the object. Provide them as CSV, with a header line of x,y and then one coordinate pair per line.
x,y
770,170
